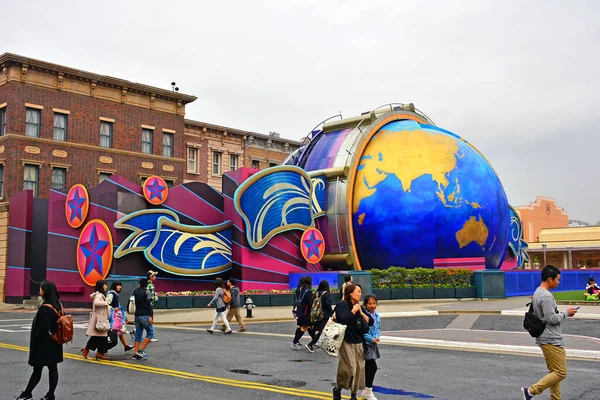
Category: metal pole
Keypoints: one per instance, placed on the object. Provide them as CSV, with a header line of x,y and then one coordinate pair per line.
x,y
570,250
544,249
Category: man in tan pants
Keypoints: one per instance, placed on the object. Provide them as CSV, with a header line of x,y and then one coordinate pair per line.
x,y
550,341
234,306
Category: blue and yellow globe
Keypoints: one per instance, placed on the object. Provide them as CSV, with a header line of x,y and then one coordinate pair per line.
x,y
422,193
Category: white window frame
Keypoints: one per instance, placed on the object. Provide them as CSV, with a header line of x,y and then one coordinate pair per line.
x,y
217,160
28,124
35,182
192,159
233,162
168,147
64,130
109,136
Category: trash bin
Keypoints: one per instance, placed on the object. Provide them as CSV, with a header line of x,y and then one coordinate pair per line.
x,y
490,284
363,278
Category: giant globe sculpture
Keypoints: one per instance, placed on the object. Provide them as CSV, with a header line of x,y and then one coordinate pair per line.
x,y
422,193
403,192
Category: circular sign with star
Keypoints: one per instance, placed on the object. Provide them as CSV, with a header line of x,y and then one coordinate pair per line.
x,y
312,245
155,190
94,252
77,205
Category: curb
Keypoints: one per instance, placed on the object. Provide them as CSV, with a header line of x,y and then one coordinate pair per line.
x,y
519,313
492,348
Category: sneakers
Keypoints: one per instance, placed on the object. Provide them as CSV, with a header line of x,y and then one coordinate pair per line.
x,y
526,395
25,396
310,348
367,394
49,397
228,332
296,346
209,331
242,330
140,355
128,348
154,339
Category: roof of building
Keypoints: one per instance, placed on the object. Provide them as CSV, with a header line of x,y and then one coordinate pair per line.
x,y
240,132
9,58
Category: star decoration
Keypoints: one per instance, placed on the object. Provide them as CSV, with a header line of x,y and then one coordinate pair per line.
x,y
94,250
156,190
313,244
75,205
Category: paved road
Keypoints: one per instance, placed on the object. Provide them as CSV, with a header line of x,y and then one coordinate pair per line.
x,y
188,363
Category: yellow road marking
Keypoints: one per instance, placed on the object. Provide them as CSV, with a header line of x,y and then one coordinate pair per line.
x,y
314,394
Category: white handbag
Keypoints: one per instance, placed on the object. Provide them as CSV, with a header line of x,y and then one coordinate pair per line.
x,y
332,337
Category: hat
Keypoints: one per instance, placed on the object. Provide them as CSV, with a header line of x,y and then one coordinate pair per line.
x,y
151,273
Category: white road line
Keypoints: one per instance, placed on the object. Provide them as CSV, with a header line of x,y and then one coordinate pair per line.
x,y
15,320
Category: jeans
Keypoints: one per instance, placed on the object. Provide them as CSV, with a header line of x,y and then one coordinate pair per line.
x,y
142,323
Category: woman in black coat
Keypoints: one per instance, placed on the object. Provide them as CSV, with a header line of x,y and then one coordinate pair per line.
x,y
304,299
316,330
43,352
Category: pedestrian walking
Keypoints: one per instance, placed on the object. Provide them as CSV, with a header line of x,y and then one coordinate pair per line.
x,y
347,281
118,319
302,306
351,365
551,340
221,306
151,275
234,306
321,311
98,324
43,352
370,348
144,320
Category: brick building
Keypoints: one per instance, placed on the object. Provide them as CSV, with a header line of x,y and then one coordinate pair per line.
x,y
543,213
212,150
60,126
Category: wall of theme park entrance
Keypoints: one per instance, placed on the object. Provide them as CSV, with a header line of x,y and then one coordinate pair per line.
x,y
118,230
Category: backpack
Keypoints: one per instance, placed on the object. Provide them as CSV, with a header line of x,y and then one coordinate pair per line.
x,y
316,309
297,304
532,323
131,305
64,327
226,296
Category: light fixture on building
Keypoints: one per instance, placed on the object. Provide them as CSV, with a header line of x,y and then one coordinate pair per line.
x,y
174,87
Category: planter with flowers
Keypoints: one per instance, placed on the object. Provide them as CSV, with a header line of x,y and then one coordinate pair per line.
x,y
282,297
260,297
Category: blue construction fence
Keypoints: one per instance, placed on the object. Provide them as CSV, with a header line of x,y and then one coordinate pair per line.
x,y
524,282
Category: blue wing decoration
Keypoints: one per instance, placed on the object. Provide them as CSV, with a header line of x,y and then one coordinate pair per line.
x,y
143,223
275,200
516,244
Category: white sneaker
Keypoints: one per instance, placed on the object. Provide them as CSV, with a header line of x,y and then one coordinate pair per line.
x,y
154,340
367,394
296,346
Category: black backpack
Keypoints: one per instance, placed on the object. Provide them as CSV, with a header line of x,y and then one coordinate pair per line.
x,y
533,324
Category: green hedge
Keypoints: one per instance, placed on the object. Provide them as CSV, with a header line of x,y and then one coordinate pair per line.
x,y
395,277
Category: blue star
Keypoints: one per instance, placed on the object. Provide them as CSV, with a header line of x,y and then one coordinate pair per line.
x,y
155,190
93,251
75,205
312,245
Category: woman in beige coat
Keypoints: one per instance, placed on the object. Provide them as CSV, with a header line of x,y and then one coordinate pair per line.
x,y
99,317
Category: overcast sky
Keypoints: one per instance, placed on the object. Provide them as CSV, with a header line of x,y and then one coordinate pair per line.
x,y
520,80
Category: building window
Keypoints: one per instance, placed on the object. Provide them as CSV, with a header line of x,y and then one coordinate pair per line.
x,y
106,129
1,180
104,176
167,145
216,163
3,122
30,178
255,164
273,164
60,127
233,162
143,180
192,159
169,183
59,177
32,122
147,141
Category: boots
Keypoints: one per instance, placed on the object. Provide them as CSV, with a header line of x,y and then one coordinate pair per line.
x,y
337,393
100,356
367,394
85,353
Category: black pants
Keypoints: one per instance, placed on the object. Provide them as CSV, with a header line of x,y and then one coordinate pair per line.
x,y
317,329
99,343
37,375
370,371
